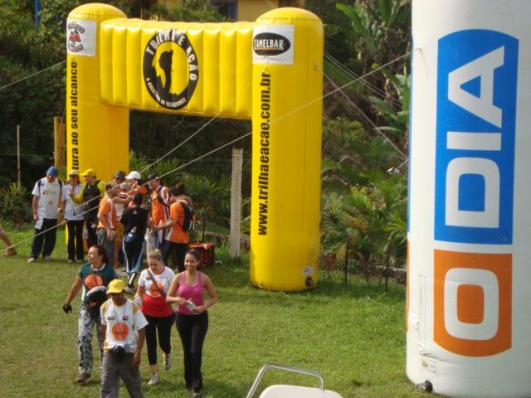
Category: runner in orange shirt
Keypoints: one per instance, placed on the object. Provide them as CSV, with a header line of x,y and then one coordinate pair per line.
x,y
107,221
160,208
176,238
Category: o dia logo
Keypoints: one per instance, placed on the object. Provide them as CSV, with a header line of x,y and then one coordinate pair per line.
x,y
167,51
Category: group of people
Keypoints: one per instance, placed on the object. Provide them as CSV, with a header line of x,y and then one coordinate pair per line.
x,y
123,324
115,215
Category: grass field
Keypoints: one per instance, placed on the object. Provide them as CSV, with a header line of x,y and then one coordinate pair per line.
x,y
354,335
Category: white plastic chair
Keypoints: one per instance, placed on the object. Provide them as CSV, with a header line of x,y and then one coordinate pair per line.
x,y
284,391
289,391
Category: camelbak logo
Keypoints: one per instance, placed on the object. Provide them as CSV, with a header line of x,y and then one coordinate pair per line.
x,y
476,113
273,44
270,44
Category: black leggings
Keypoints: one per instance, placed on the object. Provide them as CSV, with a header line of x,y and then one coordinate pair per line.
x,y
163,326
91,223
177,251
192,329
75,239
44,241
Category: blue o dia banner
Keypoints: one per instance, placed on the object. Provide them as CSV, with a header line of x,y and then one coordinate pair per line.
x,y
476,117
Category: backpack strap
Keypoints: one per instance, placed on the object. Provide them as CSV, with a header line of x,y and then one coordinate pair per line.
x,y
40,183
161,292
161,200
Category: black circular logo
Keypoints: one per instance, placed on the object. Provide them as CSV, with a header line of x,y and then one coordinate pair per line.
x,y
158,65
269,44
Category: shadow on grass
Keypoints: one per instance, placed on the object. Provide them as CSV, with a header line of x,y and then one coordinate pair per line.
x,y
216,388
236,276
213,388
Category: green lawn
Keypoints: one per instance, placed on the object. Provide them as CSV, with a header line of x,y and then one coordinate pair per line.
x,y
353,335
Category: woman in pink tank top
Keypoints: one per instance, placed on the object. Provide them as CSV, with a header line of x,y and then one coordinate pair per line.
x,y
187,290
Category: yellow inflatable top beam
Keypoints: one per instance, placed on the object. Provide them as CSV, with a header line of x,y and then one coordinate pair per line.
x,y
175,55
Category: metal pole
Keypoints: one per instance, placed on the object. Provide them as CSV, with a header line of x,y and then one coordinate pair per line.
x,y
18,156
236,202
59,142
345,267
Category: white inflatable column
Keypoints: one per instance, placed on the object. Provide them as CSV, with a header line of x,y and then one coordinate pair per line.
x,y
469,279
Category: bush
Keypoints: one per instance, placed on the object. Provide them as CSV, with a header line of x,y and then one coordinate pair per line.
x,y
15,205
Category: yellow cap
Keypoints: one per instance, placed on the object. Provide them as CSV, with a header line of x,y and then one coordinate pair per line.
x,y
116,287
89,172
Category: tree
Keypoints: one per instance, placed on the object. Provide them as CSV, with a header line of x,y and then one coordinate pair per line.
x,y
367,224
378,31
210,199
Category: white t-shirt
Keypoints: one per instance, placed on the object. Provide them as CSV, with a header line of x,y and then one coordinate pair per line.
x,y
73,211
163,281
123,323
49,195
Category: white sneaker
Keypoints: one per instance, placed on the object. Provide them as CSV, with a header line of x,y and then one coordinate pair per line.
x,y
167,361
47,258
31,260
154,379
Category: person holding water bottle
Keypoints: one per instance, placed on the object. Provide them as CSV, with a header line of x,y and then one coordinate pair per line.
x,y
187,290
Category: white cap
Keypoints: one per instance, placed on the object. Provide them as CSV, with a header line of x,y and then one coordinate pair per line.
x,y
134,175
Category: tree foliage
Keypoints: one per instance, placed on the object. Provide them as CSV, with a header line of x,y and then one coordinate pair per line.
x,y
364,135
365,139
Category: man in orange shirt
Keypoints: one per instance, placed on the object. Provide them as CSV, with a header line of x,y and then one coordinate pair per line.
x,y
176,238
107,221
160,209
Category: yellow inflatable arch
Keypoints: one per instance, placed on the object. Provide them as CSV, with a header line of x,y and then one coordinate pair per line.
x,y
269,71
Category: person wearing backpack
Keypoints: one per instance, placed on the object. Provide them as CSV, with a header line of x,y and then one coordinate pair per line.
x,y
177,228
46,206
96,273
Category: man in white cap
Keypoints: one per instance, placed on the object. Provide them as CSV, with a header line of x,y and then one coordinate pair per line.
x,y
135,181
46,204
133,175
123,327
